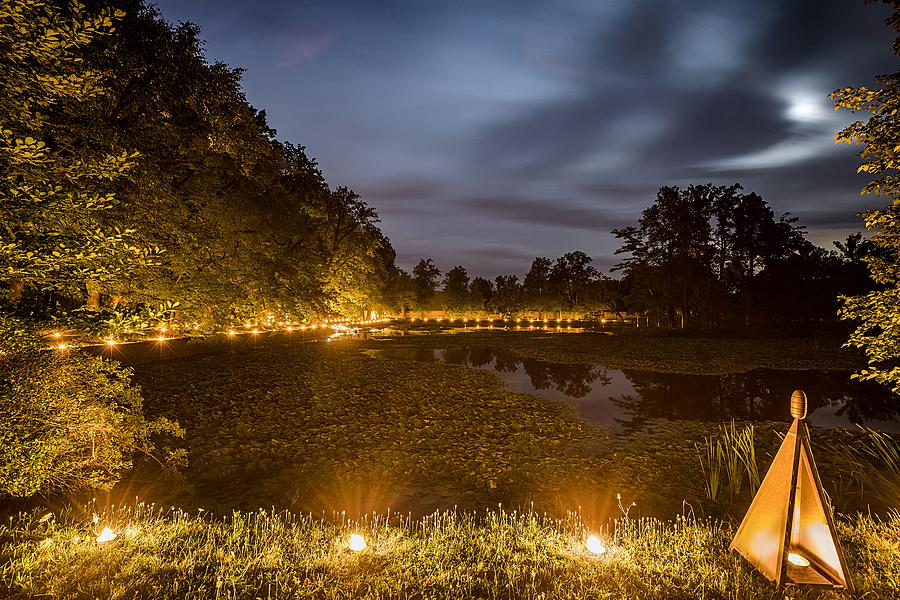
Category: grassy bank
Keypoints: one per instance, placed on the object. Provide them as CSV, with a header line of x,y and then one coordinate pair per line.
x,y
668,354
445,555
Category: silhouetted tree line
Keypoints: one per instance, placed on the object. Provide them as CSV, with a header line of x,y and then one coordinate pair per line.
x,y
702,257
711,256
568,284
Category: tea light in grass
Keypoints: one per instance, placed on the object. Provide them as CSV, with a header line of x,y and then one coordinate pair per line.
x,y
232,332
107,535
111,342
595,545
357,542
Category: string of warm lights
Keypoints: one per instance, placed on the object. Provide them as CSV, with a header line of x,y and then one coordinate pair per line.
x,y
340,326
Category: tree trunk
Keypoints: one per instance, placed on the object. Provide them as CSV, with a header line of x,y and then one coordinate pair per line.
x,y
92,302
16,290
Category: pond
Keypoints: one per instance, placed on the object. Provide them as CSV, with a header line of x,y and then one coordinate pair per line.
x,y
625,400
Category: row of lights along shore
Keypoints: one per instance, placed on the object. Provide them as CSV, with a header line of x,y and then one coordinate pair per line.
x,y
340,325
162,332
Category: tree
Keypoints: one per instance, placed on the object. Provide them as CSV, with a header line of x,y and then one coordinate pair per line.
x,y
507,299
875,313
706,255
425,278
572,278
54,189
536,286
482,290
456,291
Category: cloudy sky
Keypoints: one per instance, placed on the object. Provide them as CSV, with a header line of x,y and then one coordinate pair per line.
x,y
489,132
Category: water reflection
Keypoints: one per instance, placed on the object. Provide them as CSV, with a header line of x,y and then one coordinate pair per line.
x,y
627,399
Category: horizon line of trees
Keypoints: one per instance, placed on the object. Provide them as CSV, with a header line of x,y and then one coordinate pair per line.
x,y
703,257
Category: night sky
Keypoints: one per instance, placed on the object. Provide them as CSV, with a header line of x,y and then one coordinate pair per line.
x,y
488,133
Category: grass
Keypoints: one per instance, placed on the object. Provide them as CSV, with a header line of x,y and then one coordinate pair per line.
x,y
500,554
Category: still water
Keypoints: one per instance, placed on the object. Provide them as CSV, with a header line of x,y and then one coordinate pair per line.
x,y
626,399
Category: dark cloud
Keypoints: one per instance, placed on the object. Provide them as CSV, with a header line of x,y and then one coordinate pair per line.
x,y
486,133
549,213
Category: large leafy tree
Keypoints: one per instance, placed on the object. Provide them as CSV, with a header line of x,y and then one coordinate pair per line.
x,y
877,313
456,291
425,277
54,188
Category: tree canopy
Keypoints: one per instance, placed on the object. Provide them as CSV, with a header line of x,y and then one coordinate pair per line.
x,y
876,312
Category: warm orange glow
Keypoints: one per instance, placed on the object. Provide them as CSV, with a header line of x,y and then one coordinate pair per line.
x,y
232,332
56,334
62,346
254,331
357,542
111,342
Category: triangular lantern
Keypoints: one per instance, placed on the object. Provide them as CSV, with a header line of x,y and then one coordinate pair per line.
x,y
788,533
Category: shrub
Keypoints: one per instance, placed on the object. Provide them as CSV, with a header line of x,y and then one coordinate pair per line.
x,y
68,421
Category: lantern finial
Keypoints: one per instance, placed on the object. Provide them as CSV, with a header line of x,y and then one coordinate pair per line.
x,y
798,404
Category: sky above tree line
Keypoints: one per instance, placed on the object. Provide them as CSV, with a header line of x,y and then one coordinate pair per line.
x,y
488,133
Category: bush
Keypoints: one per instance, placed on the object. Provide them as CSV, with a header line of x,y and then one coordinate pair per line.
x,y
68,421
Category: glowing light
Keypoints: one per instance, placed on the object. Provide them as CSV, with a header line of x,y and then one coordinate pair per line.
x,y
161,338
111,342
595,545
289,329
107,535
232,332
796,559
164,329
62,346
357,542
56,334
254,331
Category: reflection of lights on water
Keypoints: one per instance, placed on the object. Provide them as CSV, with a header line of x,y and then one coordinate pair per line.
x,y
106,535
357,542
796,559
595,545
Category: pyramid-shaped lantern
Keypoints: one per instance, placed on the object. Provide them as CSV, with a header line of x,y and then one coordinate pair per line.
x,y
788,533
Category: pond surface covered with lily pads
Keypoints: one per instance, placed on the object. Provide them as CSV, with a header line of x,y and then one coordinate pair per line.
x,y
418,421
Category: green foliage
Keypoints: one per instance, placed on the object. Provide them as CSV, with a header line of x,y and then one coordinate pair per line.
x,y
69,422
872,463
424,278
729,458
876,313
54,189
498,555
